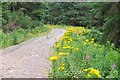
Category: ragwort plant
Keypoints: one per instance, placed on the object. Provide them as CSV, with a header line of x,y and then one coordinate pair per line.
x,y
78,55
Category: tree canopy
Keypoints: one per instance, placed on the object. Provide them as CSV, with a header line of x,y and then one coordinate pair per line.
x,y
102,16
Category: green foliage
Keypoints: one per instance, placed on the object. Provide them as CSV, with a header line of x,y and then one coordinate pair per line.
x,y
20,19
103,16
22,14
77,51
108,14
67,13
26,22
20,35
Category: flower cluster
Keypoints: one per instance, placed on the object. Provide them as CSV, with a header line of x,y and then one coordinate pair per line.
x,y
62,54
90,42
53,58
61,68
92,71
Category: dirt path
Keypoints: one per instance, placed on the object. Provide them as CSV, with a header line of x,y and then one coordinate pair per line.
x,y
29,59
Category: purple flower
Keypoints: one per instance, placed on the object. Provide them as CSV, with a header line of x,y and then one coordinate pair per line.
x,y
113,66
87,57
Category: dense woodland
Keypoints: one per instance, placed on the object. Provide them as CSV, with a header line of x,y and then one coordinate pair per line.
x,y
101,16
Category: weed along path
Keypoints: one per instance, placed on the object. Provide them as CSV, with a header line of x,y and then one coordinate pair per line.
x,y
30,58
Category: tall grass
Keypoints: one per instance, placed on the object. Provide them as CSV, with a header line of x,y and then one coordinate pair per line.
x,y
20,35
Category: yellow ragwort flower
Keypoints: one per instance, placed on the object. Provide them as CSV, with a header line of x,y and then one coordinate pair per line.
x,y
84,43
65,42
93,71
70,39
92,39
76,49
58,45
95,44
66,47
87,40
88,75
68,42
99,76
96,72
61,68
61,53
53,58
85,70
79,38
62,64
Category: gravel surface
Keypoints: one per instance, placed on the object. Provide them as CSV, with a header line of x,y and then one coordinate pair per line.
x,y
30,58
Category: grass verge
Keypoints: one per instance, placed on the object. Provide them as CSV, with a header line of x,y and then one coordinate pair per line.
x,y
78,55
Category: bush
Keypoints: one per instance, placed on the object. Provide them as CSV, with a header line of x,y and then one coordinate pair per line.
x,y
26,22
20,19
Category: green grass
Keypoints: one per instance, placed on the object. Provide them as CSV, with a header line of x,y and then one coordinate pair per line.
x,y
20,35
78,50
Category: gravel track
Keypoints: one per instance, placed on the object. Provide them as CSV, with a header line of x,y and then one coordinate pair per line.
x,y
30,58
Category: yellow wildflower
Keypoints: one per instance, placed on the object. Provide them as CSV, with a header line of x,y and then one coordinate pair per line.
x,y
61,68
99,76
88,75
84,43
93,71
70,39
90,68
62,64
76,49
87,40
92,39
68,42
66,47
58,45
95,44
85,70
53,58
79,39
61,53
96,72
65,41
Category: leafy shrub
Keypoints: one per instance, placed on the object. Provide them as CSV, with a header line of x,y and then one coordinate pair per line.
x,y
20,19
26,22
